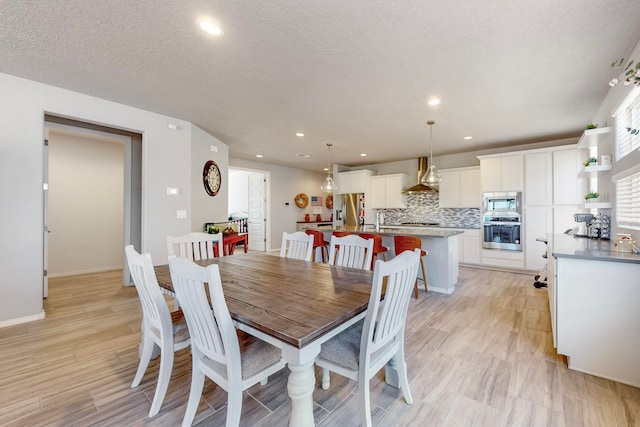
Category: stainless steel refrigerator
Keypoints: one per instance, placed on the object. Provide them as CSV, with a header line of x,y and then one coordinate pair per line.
x,y
350,212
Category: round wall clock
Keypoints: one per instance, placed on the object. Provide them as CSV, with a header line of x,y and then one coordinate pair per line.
x,y
211,178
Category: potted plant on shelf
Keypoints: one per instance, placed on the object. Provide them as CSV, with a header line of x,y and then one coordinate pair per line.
x,y
591,126
591,197
591,162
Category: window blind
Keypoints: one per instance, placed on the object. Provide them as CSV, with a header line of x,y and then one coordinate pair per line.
x,y
628,116
628,201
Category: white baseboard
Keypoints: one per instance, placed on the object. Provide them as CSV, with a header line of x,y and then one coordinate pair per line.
x,y
19,320
93,270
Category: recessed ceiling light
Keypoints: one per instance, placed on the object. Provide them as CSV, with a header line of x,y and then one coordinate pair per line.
x,y
325,169
300,134
210,27
305,155
434,101
468,137
259,156
363,154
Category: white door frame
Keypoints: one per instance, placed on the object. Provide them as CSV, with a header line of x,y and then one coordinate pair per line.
x,y
267,196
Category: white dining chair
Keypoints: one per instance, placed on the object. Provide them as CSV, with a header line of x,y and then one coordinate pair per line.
x,y
351,251
216,352
196,245
362,350
159,327
298,245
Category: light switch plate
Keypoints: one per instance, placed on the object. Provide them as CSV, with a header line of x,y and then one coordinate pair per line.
x,y
181,214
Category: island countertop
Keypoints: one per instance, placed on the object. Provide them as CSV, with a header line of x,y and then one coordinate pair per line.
x,y
563,245
392,231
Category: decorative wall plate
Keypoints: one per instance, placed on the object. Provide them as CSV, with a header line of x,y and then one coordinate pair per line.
x,y
302,200
329,201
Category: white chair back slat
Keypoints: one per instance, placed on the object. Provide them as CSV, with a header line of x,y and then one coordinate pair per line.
x,y
195,246
298,245
351,251
211,329
154,308
385,319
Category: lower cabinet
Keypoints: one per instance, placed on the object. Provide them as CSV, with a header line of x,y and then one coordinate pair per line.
x,y
503,258
538,222
470,247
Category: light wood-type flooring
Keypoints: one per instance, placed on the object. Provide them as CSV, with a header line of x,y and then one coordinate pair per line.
x,y
480,357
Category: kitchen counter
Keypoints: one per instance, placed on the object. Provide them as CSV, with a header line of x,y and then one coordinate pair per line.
x,y
401,229
442,261
565,246
593,299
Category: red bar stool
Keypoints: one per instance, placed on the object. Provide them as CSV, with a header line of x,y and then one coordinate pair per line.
x,y
409,243
341,233
319,242
377,246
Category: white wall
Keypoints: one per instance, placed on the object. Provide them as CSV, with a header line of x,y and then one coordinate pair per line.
x,y
86,193
285,183
604,117
205,208
167,162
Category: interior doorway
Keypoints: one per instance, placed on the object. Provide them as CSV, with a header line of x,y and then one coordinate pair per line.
x,y
248,197
91,152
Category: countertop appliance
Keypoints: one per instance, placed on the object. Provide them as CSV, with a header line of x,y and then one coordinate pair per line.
x,y
599,227
502,220
583,220
350,210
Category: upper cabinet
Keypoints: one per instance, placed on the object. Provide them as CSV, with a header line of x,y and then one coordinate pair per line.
x,y
460,188
386,191
502,173
568,189
538,179
354,181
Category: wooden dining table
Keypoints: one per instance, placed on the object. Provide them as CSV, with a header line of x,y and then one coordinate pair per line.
x,y
292,304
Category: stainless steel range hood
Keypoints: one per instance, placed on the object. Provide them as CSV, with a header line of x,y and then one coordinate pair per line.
x,y
420,187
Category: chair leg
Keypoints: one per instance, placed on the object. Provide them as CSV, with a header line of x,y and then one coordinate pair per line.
x,y
234,402
197,383
415,289
325,253
424,275
164,376
365,401
401,366
326,380
145,357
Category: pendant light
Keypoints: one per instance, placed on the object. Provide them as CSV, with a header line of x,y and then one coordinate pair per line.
x,y
328,186
431,176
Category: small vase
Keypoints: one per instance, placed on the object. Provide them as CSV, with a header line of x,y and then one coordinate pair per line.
x,y
318,218
307,217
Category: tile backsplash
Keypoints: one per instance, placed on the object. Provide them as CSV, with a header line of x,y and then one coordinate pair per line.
x,y
423,207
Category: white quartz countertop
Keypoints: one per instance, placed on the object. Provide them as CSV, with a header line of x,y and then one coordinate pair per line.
x,y
412,231
563,245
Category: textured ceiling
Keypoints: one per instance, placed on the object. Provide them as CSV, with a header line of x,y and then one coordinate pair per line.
x,y
355,73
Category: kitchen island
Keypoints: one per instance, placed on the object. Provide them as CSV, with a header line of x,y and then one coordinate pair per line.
x,y
594,300
441,263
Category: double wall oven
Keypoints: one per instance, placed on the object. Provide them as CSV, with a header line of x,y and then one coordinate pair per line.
x,y
502,220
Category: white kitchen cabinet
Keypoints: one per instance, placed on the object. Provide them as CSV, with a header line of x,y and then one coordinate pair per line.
x,y
460,188
502,173
503,258
386,191
563,218
538,179
354,181
568,188
470,246
539,223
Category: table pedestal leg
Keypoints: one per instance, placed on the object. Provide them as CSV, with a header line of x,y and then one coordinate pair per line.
x,y
300,386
